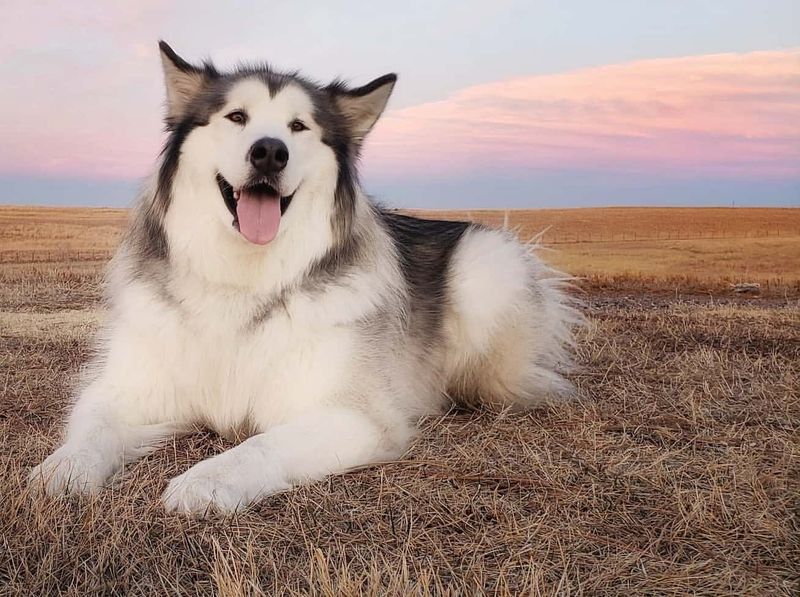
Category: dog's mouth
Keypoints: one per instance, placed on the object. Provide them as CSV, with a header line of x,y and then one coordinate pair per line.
x,y
256,209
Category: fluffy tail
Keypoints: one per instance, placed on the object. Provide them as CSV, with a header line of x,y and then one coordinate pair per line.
x,y
511,326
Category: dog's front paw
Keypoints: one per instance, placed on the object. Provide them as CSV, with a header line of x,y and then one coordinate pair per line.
x,y
70,471
191,493
202,490
212,486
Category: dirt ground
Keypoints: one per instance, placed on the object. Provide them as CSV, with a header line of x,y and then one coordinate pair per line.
x,y
677,471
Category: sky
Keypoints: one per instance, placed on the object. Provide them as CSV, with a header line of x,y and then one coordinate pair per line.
x,y
499,104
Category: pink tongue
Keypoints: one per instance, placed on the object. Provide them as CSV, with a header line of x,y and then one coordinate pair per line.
x,y
259,217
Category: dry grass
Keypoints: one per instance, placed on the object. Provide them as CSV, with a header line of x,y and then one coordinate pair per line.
x,y
677,472
86,229
644,222
687,265
704,262
694,249
60,229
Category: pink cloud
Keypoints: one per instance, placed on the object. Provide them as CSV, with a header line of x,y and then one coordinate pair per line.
x,y
723,114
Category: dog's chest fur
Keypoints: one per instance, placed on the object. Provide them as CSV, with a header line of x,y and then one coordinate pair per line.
x,y
224,354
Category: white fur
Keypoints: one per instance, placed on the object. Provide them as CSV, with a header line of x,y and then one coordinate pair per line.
x,y
315,391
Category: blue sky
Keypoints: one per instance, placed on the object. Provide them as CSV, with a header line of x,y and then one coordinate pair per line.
x,y
82,101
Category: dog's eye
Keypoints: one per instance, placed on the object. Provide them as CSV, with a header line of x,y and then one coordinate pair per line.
x,y
237,116
297,126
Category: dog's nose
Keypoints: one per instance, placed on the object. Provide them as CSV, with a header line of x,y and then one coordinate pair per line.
x,y
269,155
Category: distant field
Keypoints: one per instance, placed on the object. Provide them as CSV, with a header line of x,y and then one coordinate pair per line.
x,y
697,247
635,223
60,229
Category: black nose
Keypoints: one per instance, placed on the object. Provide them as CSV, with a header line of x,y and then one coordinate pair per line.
x,y
269,155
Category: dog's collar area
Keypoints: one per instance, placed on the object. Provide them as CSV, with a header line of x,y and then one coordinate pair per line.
x,y
230,196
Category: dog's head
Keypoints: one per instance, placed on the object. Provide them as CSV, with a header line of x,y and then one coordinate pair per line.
x,y
263,139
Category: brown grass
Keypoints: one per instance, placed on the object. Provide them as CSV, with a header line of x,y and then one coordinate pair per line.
x,y
60,229
694,249
687,265
677,472
644,222
86,229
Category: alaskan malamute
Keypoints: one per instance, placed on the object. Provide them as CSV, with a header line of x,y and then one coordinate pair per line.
x,y
260,293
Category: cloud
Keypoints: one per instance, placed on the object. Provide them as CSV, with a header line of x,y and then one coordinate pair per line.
x,y
90,108
729,115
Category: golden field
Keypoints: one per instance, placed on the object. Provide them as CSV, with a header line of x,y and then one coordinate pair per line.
x,y
674,471
60,229
701,248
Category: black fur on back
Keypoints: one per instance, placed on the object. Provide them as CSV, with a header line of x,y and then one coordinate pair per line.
x,y
425,250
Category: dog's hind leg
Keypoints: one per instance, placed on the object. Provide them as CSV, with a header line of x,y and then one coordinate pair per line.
x,y
98,443
306,448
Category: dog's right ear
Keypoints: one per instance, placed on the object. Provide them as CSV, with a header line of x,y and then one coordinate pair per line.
x,y
363,106
183,81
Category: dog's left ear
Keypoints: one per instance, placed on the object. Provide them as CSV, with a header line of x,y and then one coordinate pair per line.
x,y
363,106
182,80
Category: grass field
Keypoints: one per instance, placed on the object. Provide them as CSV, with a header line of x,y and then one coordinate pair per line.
x,y
690,248
84,229
676,471
60,229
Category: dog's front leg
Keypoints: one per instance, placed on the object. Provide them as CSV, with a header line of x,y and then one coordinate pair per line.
x,y
98,443
303,449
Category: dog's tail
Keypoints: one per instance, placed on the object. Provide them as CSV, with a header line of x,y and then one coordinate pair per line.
x,y
511,326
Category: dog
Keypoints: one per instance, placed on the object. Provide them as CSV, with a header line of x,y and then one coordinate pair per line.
x,y
259,293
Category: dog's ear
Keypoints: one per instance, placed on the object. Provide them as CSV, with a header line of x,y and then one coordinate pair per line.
x,y
363,106
183,81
